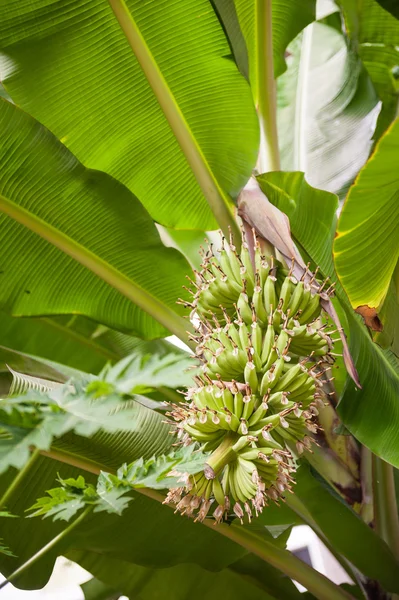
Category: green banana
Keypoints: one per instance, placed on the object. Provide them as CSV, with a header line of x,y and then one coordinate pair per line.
x,y
258,334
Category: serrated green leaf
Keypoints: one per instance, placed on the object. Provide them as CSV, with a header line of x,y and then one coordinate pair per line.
x,y
111,497
109,494
36,419
119,127
140,373
5,549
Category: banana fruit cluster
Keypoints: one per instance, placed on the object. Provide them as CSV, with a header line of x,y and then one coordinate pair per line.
x,y
264,350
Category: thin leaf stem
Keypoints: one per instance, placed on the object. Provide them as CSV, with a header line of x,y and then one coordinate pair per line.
x,y
33,559
385,506
218,200
265,93
301,106
151,305
315,582
366,477
18,478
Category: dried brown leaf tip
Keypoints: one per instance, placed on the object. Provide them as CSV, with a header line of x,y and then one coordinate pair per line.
x,y
370,317
265,351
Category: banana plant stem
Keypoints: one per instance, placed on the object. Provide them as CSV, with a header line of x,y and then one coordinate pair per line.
x,y
265,93
46,548
300,145
315,582
385,506
18,478
220,204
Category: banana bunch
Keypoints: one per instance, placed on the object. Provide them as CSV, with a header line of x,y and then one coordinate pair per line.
x,y
263,349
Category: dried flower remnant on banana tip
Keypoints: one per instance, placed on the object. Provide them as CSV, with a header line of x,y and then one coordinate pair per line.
x,y
265,352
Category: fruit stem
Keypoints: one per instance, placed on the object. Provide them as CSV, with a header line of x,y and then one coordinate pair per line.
x,y
19,477
222,455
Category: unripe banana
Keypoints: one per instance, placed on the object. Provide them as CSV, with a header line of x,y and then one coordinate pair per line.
x,y
311,311
286,292
257,301
268,342
247,272
244,308
257,339
218,491
269,294
238,405
249,403
231,268
250,376
271,378
296,298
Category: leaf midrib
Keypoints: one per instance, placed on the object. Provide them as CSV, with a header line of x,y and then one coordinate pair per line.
x,y
112,276
218,200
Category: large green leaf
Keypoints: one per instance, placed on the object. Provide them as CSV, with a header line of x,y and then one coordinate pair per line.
x,y
176,583
289,17
98,249
94,589
104,110
366,248
75,342
363,548
72,341
327,108
30,365
374,35
372,413
391,6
